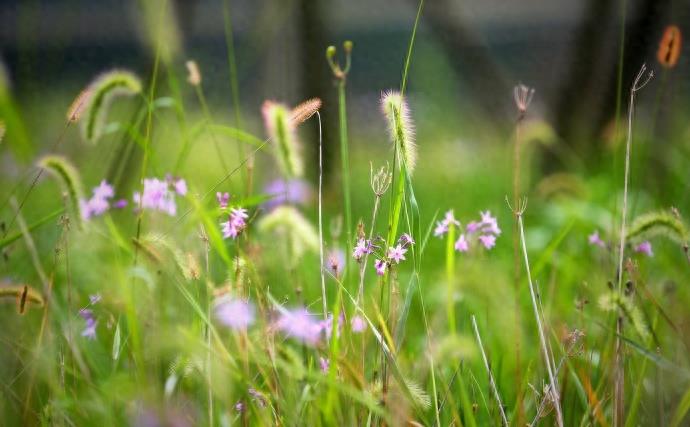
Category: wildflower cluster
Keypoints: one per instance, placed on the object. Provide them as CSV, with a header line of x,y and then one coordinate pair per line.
x,y
159,194
99,202
486,230
644,247
300,324
392,255
237,217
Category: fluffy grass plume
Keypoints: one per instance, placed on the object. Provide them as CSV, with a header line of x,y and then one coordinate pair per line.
x,y
655,224
613,300
281,130
69,179
400,127
101,92
304,111
76,109
289,222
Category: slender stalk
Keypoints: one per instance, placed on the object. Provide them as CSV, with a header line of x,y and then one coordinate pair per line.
x,y
492,382
344,157
323,279
619,389
363,268
450,276
553,385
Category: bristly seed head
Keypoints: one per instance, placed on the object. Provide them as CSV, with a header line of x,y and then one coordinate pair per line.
x,y
77,106
523,97
304,111
281,130
400,127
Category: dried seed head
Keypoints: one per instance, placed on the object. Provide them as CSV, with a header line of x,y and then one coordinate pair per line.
x,y
669,47
193,73
381,180
78,105
523,97
400,127
304,111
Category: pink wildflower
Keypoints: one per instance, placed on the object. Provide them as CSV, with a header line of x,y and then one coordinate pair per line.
x,y
645,248
223,199
461,245
234,313
443,225
358,324
488,240
324,364
362,248
301,325
397,253
594,239
380,267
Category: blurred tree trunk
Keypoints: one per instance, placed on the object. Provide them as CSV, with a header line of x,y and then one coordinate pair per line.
x,y
316,81
586,103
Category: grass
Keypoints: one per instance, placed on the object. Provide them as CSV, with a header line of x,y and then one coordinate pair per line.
x,y
181,309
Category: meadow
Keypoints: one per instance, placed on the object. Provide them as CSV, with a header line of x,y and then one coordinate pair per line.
x,y
166,263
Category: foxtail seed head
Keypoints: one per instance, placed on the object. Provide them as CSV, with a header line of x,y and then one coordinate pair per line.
x,y
400,127
281,130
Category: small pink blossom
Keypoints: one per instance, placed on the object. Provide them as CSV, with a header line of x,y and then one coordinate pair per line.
x,y
180,186
362,248
301,325
358,324
335,261
488,240
443,225
406,240
234,313
462,245
223,199
324,364
397,253
594,239
380,267
645,248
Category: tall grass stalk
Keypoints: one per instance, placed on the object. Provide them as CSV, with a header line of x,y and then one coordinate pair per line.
x,y
321,263
492,382
553,385
619,388
450,277
522,95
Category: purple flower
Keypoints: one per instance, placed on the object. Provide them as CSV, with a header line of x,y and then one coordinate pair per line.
x,y
90,329
156,196
120,204
406,240
94,299
324,364
473,227
594,239
488,240
301,325
645,248
180,186
362,248
234,313
489,224
103,191
443,225
380,267
239,406
235,223
461,245
257,397
358,324
335,261
223,199
98,204
397,253
293,191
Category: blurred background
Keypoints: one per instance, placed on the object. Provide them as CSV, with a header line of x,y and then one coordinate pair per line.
x,y
468,56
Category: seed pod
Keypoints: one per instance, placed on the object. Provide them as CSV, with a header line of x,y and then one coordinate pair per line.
x,y
400,127
669,47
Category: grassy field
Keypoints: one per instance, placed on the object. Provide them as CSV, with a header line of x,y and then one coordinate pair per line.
x,y
166,264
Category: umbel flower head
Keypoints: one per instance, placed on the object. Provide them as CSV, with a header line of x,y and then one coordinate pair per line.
x,y
400,127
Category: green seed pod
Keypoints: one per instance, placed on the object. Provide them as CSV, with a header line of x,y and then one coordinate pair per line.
x,y
281,130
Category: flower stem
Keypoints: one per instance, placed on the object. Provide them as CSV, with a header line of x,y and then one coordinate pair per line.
x,y
450,277
345,159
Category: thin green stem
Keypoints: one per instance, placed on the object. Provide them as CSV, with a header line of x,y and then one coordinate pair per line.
x,y
345,159
450,277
